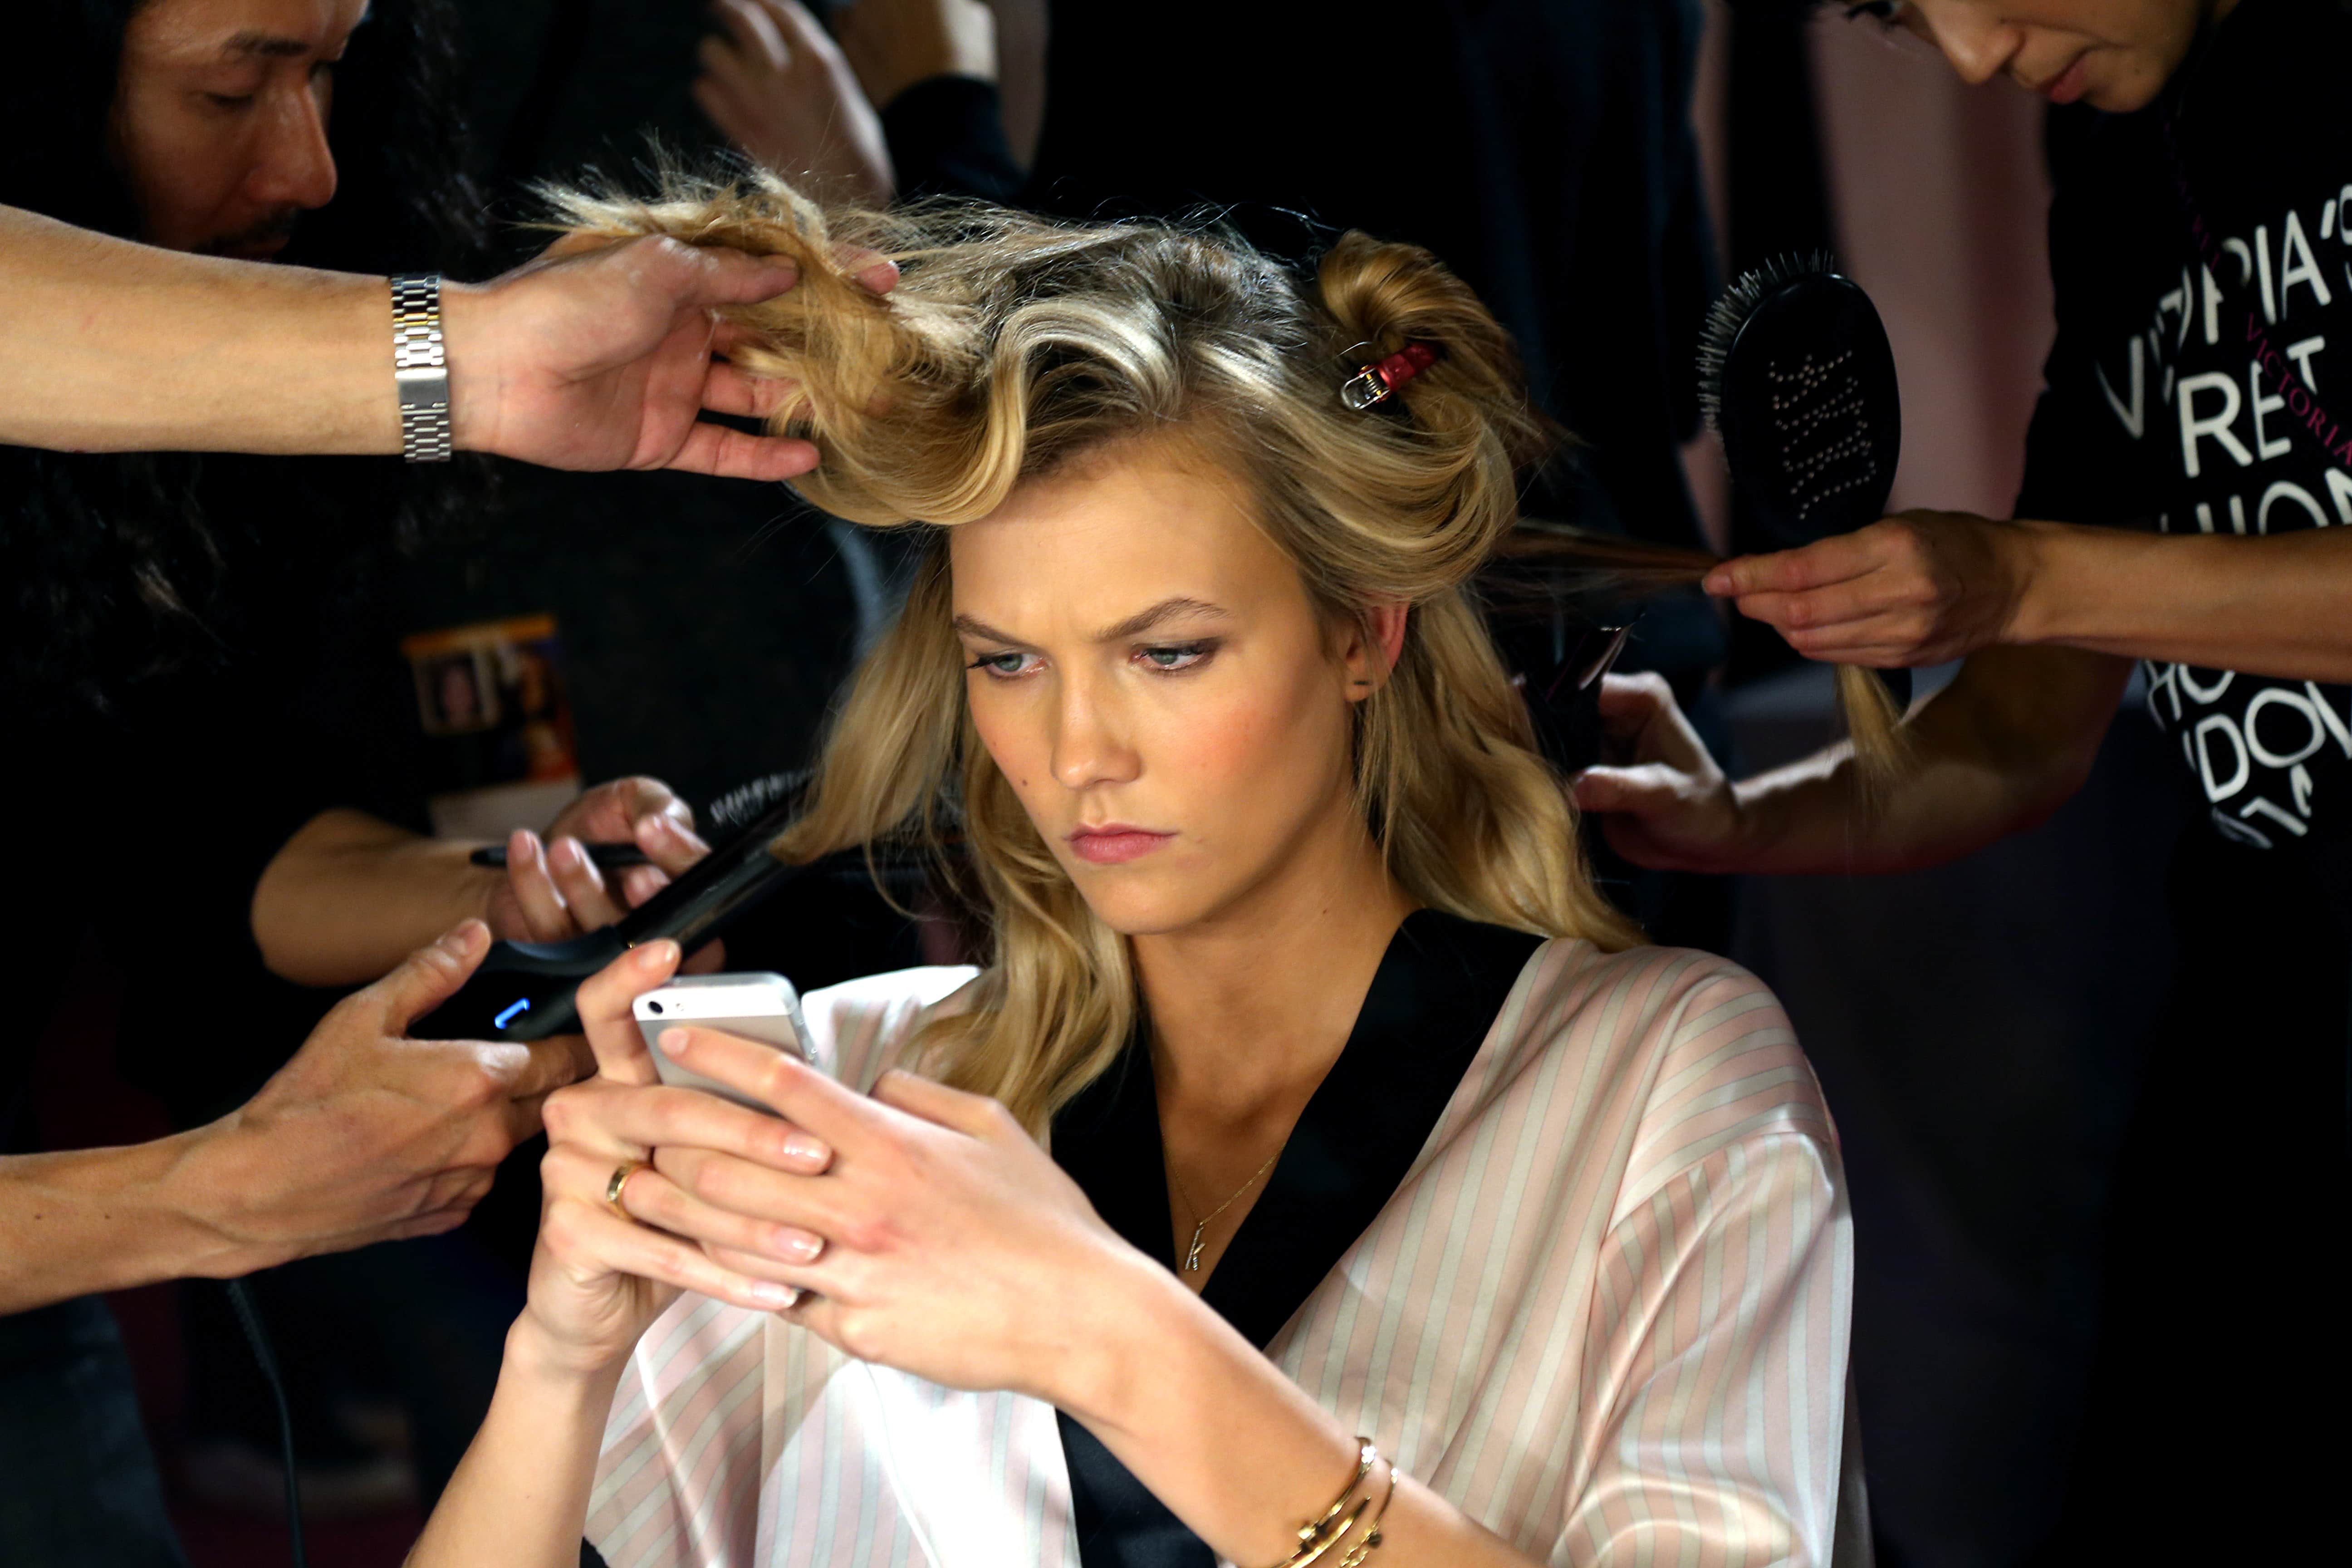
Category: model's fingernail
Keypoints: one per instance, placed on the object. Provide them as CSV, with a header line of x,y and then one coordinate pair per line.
x,y
767,1293
797,1247
801,1146
677,1044
654,955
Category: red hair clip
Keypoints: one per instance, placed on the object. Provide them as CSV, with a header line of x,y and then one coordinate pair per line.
x,y
1377,383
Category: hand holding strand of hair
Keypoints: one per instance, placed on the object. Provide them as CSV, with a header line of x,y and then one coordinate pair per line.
x,y
1920,587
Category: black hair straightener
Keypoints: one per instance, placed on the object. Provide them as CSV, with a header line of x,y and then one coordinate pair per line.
x,y
523,990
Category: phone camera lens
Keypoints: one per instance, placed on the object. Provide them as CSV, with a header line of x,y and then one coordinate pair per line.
x,y
653,1006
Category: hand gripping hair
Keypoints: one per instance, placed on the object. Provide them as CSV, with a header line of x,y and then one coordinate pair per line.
x,y
1014,344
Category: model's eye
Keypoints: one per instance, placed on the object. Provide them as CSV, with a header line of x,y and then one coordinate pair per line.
x,y
1887,14
1174,656
229,99
1004,666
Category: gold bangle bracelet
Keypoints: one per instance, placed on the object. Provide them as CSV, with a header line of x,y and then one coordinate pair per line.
x,y
1325,1537
1328,1529
1354,1556
1365,1455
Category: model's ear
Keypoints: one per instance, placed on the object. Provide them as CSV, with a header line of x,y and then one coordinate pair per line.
x,y
1373,648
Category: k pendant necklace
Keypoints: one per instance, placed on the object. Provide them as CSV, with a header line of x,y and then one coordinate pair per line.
x,y
1193,1253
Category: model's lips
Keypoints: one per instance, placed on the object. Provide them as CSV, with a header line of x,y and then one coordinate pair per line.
x,y
2069,84
1115,843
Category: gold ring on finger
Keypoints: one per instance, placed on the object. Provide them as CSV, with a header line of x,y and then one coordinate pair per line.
x,y
621,1174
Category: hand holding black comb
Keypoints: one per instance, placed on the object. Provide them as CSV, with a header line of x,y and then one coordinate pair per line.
x,y
1796,375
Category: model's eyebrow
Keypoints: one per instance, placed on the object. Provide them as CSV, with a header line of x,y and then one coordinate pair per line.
x,y
973,626
1166,609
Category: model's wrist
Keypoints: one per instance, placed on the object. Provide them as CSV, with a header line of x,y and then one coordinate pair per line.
x,y
543,1360
1143,1320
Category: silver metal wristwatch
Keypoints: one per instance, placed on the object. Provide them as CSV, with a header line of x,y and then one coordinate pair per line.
x,y
420,368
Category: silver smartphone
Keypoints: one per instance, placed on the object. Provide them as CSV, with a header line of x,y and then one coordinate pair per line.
x,y
757,1007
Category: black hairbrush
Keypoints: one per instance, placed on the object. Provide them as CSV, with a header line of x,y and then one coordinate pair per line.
x,y
1796,375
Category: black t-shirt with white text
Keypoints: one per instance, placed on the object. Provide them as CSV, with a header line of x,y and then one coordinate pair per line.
x,y
2206,386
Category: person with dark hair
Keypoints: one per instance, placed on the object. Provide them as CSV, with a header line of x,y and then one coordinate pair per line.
x,y
2185,501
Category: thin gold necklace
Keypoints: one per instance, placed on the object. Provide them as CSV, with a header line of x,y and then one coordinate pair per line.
x,y
1193,1253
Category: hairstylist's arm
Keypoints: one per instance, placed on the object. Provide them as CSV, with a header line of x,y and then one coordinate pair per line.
x,y
365,1136
595,360
1929,587
350,893
1997,751
520,1496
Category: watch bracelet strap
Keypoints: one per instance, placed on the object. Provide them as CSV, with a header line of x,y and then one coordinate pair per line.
x,y
420,367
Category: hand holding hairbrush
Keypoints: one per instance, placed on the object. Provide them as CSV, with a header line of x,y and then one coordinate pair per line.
x,y
1797,377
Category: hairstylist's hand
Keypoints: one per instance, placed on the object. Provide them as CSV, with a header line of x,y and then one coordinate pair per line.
x,y
1921,587
775,84
894,43
367,1135
1666,804
601,357
944,1225
597,1279
552,890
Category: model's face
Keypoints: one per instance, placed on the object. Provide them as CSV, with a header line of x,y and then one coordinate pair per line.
x,y
1148,673
220,118
2115,55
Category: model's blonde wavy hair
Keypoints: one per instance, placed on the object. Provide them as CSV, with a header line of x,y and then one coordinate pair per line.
x,y
1013,345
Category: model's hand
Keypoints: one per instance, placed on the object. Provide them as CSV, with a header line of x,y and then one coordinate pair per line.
x,y
953,1247
894,43
1922,587
776,85
367,1135
598,1278
601,357
553,891
1668,804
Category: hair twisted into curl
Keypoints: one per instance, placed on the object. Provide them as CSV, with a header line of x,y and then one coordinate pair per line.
x,y
1014,345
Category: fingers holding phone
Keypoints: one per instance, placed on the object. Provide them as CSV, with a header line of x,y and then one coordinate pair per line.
x,y
618,1239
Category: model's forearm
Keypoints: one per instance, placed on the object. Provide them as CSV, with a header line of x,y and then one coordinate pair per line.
x,y
1995,752
1239,1452
519,1497
112,346
106,1219
2280,604
350,896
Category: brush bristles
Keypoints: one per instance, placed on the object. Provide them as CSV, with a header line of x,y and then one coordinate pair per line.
x,y
1730,312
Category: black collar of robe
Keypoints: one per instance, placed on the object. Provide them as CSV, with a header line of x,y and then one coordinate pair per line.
x,y
1433,1000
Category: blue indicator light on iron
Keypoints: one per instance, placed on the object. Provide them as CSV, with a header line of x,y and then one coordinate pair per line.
x,y
501,1021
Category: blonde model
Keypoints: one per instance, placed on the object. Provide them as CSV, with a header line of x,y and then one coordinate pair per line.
x,y
1316,1170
